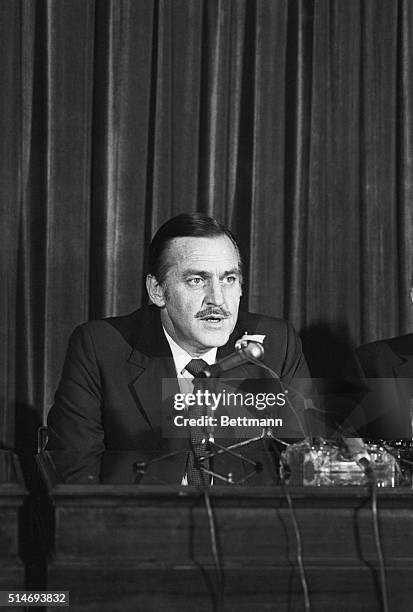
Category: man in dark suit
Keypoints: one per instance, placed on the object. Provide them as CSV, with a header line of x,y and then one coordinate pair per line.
x,y
110,396
383,372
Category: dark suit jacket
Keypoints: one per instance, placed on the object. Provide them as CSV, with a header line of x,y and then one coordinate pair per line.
x,y
109,396
384,370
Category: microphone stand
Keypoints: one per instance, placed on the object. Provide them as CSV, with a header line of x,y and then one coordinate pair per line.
x,y
232,449
235,449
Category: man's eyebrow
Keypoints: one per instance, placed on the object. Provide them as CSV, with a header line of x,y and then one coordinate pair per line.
x,y
206,274
232,271
195,272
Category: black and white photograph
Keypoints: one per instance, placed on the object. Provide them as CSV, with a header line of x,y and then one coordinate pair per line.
x,y
206,305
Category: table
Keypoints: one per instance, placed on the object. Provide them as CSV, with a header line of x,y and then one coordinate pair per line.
x,y
12,496
127,540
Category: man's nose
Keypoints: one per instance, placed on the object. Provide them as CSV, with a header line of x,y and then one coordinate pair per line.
x,y
214,294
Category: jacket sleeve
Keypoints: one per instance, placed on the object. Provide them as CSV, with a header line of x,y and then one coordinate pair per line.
x,y
294,366
75,419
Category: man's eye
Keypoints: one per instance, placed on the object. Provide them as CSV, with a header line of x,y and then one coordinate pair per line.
x,y
195,281
230,280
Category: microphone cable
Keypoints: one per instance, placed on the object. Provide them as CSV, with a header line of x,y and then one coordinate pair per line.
x,y
356,446
219,596
377,540
296,528
299,555
284,389
212,525
297,533
204,474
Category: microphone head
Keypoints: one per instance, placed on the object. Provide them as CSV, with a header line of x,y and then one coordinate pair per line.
x,y
254,350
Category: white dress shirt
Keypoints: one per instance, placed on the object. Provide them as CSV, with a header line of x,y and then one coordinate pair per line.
x,y
181,360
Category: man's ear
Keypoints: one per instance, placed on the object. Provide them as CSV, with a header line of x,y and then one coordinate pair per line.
x,y
155,291
411,294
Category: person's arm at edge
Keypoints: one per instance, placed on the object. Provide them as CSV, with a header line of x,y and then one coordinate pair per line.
x,y
75,419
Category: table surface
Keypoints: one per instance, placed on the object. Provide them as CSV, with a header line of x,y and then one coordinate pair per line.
x,y
135,473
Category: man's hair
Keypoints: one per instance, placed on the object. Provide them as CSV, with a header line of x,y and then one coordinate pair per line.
x,y
186,224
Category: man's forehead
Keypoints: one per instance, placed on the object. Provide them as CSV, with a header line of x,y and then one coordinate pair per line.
x,y
190,251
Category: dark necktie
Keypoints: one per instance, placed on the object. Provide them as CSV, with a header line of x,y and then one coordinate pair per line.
x,y
198,435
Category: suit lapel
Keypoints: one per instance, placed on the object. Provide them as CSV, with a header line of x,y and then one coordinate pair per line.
x,y
153,362
147,387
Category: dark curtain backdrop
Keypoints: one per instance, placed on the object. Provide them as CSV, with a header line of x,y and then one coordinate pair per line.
x,y
291,121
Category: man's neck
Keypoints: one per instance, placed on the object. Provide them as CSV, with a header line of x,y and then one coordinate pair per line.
x,y
182,357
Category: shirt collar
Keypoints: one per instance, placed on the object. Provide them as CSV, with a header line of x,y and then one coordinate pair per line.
x,y
182,358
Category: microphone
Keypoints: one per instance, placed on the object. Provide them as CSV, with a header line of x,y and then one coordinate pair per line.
x,y
250,350
359,453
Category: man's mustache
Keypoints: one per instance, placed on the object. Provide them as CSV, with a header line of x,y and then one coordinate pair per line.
x,y
211,311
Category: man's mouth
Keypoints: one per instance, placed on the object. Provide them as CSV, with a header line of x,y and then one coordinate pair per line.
x,y
213,319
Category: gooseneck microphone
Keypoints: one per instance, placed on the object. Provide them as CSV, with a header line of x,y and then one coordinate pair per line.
x,y
246,352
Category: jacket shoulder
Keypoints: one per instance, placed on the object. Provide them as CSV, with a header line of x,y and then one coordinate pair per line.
x,y
257,323
128,326
379,357
402,345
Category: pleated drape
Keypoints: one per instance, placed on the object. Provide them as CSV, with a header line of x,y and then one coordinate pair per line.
x,y
291,121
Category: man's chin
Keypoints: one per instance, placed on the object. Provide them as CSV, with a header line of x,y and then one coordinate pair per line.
x,y
212,338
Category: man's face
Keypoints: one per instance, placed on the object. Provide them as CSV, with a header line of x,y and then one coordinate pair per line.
x,y
201,293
